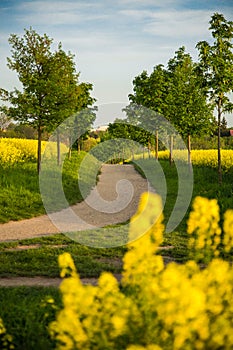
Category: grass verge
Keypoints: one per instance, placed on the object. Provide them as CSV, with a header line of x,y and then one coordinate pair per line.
x,y
205,185
20,196
42,260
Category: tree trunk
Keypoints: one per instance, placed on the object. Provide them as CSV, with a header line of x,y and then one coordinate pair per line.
x,y
79,145
132,153
156,145
58,148
171,149
189,153
69,154
70,146
219,143
39,130
149,147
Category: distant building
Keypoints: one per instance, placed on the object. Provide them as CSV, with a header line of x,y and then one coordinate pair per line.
x,y
100,128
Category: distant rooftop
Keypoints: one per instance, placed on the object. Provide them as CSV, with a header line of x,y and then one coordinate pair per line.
x,y
100,128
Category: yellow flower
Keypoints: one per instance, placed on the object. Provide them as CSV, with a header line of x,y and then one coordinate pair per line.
x,y
203,227
147,221
228,230
118,325
177,306
20,150
66,265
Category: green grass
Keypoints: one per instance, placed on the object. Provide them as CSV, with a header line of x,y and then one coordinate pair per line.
x,y
26,316
43,261
205,185
20,196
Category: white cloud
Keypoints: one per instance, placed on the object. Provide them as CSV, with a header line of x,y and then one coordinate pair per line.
x,y
172,23
136,14
147,3
179,24
58,12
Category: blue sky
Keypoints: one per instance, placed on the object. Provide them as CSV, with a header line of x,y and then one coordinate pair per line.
x,y
113,40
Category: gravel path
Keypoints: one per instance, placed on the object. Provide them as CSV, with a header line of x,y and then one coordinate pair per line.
x,y
113,200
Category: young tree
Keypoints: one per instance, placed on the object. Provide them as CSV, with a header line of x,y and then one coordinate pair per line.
x,y
177,94
216,63
83,121
186,100
72,97
79,124
49,83
149,91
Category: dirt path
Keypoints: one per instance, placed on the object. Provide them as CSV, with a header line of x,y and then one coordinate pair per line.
x,y
40,281
113,200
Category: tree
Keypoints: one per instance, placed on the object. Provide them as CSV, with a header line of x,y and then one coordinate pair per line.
x,y
216,64
49,83
186,101
122,128
72,97
149,91
26,131
83,121
177,94
77,126
31,59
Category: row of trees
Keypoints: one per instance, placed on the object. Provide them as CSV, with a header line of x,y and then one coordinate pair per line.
x,y
50,88
184,92
187,92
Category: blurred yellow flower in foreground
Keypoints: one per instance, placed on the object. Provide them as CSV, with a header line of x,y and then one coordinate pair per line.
x,y
172,307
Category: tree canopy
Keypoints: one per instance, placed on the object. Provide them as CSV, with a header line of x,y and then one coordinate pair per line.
x,y
175,92
187,106
216,64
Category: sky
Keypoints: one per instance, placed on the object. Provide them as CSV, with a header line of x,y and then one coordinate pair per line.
x,y
113,40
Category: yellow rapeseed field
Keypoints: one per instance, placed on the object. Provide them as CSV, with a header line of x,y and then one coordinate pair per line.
x,y
14,150
203,157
